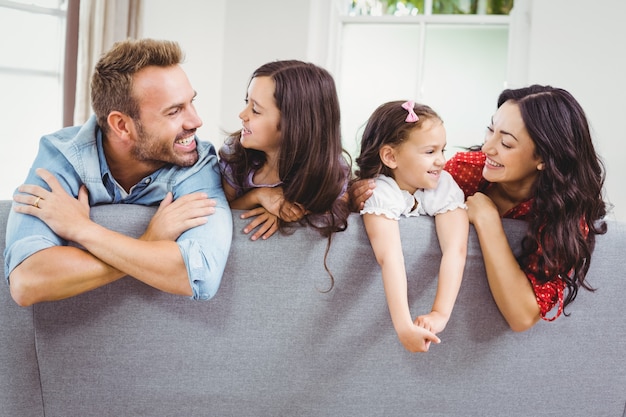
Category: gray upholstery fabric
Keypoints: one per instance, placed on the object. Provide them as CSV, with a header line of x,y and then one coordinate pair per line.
x,y
20,391
273,343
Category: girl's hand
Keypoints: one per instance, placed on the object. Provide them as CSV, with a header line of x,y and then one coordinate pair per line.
x,y
175,217
417,339
434,321
273,200
481,208
291,212
65,215
266,222
359,192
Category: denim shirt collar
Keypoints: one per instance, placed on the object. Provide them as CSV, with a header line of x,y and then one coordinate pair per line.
x,y
109,181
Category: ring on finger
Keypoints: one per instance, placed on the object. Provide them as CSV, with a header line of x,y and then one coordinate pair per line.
x,y
36,203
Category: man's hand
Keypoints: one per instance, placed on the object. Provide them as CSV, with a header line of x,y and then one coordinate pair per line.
x,y
65,215
175,217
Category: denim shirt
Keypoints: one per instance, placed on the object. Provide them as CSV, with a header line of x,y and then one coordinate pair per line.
x,y
75,156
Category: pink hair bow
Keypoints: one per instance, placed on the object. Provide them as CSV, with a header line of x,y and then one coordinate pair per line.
x,y
411,117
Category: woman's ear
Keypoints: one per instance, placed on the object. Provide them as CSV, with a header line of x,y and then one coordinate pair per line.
x,y
540,166
388,156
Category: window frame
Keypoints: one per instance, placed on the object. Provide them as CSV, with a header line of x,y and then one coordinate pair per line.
x,y
422,21
328,18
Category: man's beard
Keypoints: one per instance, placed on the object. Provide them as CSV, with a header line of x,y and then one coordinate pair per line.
x,y
150,149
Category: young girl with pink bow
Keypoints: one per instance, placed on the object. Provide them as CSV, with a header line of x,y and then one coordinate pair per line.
x,y
402,149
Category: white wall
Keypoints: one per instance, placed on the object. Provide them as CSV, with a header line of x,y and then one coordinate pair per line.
x,y
199,27
581,46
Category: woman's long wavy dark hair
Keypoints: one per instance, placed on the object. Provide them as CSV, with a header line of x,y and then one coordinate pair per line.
x,y
568,191
313,166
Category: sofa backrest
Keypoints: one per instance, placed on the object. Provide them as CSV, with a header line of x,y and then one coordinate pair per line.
x,y
20,390
273,343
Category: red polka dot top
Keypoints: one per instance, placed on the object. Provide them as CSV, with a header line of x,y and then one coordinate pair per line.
x,y
467,169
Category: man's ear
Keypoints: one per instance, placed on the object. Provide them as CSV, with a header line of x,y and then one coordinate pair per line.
x,y
388,156
120,124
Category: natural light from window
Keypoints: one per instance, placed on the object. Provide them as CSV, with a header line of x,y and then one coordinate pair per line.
x,y
456,63
31,79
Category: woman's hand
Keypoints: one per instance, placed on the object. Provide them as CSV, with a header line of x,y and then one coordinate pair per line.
x,y
481,208
509,284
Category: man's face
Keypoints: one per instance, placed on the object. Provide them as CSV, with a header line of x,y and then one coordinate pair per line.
x,y
165,131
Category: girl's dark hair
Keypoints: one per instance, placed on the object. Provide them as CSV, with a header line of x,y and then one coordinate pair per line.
x,y
313,167
568,191
387,126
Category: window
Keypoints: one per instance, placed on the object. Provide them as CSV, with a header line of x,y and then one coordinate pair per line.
x,y
455,63
31,81
415,7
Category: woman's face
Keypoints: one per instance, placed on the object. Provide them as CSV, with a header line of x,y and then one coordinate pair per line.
x,y
509,149
260,117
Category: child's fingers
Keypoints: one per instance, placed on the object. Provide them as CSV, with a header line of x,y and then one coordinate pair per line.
x,y
252,213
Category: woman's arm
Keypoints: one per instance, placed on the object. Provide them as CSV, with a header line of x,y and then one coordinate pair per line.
x,y
509,285
384,236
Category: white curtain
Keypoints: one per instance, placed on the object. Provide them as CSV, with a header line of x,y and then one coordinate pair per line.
x,y
101,24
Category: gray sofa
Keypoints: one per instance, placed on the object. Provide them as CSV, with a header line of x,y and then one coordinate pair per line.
x,y
273,343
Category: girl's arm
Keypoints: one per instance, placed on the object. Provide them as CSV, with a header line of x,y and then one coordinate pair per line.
x,y
272,200
229,191
509,285
452,232
247,201
265,205
384,236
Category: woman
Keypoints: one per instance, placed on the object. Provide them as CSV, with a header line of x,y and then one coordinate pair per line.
x,y
538,164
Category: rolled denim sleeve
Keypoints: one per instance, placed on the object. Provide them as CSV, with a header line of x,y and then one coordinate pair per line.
x,y
205,248
27,234
24,237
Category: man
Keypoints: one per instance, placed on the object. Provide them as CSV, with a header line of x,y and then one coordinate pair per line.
x,y
140,148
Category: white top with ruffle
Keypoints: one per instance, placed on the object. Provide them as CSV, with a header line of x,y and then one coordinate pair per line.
x,y
392,202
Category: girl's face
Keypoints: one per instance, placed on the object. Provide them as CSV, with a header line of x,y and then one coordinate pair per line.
x,y
260,118
418,161
509,149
